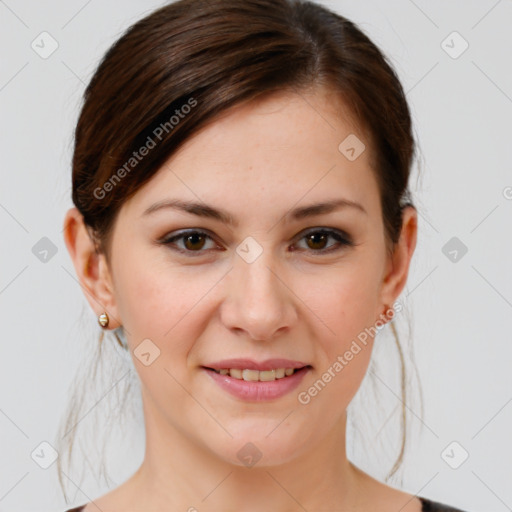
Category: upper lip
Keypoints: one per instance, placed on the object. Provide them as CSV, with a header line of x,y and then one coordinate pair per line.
x,y
242,363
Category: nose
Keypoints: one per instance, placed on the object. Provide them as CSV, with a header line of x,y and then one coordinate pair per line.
x,y
259,302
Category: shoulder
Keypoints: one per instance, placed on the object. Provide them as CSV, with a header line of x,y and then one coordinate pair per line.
x,y
427,505
435,506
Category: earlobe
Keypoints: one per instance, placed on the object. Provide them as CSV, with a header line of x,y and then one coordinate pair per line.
x,y
90,266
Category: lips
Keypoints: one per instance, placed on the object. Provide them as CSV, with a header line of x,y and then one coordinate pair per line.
x,y
250,380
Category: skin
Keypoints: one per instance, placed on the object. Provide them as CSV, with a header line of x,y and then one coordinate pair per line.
x,y
258,161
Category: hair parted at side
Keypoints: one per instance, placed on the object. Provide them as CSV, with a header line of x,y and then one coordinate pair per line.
x,y
188,62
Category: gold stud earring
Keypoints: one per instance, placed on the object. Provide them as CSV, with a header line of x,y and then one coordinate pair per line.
x,y
103,319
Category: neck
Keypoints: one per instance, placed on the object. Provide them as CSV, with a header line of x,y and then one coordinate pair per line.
x,y
180,474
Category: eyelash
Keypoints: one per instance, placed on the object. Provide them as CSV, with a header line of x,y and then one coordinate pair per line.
x,y
342,239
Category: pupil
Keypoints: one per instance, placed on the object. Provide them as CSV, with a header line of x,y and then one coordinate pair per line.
x,y
314,235
193,236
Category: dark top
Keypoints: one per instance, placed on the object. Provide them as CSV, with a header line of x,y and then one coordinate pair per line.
x,y
427,506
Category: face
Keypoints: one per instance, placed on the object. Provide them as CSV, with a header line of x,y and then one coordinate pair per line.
x,y
193,289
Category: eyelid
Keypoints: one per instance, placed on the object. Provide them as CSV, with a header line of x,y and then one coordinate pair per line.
x,y
342,237
325,229
177,235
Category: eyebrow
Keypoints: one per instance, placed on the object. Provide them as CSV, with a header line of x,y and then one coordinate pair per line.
x,y
204,210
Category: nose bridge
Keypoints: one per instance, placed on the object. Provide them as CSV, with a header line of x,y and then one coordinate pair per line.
x,y
258,281
259,303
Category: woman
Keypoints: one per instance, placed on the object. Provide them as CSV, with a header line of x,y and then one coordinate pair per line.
x,y
242,219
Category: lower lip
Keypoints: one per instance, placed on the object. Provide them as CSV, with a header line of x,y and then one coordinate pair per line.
x,y
257,391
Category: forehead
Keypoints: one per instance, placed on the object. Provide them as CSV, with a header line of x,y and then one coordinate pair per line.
x,y
276,150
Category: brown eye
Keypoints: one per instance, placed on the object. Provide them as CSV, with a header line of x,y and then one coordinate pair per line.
x,y
192,242
317,240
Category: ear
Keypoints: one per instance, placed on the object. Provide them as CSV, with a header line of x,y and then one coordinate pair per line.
x,y
397,268
91,267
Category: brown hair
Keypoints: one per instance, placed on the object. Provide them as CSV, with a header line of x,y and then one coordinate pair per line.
x,y
182,66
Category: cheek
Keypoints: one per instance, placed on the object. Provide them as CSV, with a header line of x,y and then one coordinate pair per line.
x,y
162,307
344,310
158,304
345,302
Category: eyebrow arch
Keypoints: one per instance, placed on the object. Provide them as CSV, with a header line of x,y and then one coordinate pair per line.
x,y
204,210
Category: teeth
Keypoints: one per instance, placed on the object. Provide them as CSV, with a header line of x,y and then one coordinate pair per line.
x,y
236,373
267,375
250,374
255,375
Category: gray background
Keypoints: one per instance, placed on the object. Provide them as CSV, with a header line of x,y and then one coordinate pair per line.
x,y
460,311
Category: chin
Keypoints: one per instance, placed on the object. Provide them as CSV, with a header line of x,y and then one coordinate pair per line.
x,y
260,450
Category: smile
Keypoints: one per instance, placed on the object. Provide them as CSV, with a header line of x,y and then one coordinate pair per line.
x,y
257,386
255,375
